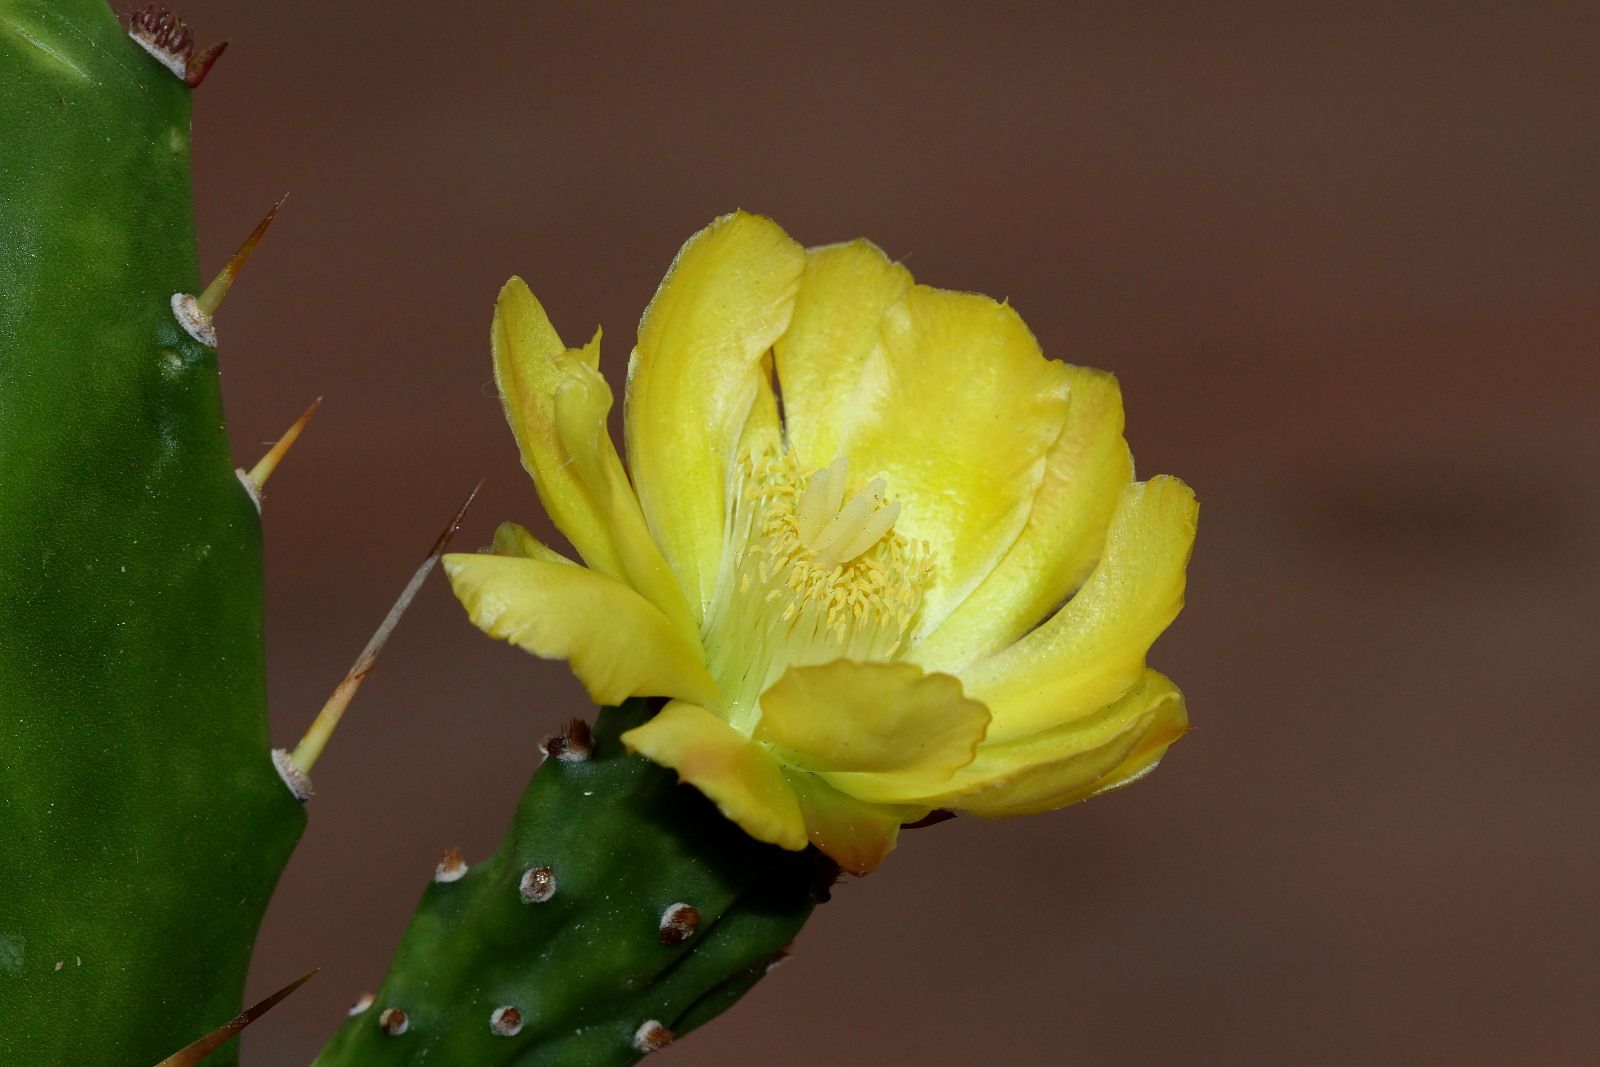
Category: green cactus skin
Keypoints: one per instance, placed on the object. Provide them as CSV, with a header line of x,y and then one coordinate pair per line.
x,y
587,967
142,825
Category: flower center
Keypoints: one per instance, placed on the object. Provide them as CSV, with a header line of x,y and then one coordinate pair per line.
x,y
836,534
813,571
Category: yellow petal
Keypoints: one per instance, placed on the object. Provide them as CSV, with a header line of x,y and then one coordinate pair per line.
x,y
1093,650
693,378
1145,756
945,395
514,539
855,835
763,429
1085,472
556,402
1070,763
830,362
735,772
530,363
618,644
846,716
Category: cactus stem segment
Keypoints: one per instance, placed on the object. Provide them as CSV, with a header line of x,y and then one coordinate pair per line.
x,y
652,1036
583,963
310,748
452,868
678,923
196,1051
538,885
506,1021
394,1022
256,479
114,463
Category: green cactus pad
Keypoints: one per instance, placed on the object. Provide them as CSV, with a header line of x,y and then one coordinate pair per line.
x,y
142,826
571,945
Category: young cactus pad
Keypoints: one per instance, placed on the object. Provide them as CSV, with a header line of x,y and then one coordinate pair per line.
x,y
621,910
142,825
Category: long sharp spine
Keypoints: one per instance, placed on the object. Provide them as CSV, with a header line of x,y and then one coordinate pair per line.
x,y
306,753
196,313
255,479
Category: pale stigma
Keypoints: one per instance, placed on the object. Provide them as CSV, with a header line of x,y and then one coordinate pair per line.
x,y
811,573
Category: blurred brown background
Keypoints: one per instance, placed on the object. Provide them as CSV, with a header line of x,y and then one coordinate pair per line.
x,y
1344,260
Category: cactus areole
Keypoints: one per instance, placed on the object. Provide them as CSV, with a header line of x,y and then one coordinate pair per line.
x,y
142,826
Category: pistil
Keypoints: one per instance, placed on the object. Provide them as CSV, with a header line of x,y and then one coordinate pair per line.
x,y
812,573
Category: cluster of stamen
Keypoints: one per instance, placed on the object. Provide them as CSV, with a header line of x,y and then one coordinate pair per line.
x,y
812,572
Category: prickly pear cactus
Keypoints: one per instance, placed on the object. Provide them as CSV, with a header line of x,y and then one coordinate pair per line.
x,y
142,826
621,910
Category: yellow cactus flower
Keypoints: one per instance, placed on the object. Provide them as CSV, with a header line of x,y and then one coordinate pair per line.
x,y
880,555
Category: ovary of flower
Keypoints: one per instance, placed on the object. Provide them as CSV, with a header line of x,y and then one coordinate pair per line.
x,y
838,662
